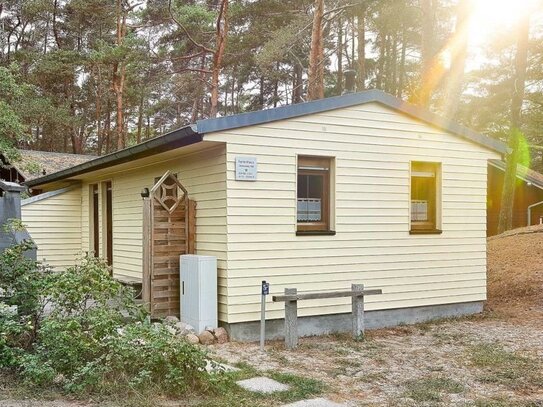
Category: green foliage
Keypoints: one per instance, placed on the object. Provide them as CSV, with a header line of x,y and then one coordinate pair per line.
x,y
32,167
94,338
22,282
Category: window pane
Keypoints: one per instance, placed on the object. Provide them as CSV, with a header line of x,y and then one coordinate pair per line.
x,y
424,195
310,198
422,199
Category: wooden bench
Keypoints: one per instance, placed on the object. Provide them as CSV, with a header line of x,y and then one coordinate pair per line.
x,y
292,297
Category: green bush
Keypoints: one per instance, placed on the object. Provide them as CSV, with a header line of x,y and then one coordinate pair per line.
x,y
93,337
22,284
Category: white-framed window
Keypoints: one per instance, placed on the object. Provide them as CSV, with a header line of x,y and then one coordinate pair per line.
x,y
425,197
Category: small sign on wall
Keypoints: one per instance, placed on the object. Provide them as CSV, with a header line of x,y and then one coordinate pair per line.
x,y
246,169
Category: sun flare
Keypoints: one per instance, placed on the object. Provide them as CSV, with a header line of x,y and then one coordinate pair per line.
x,y
491,17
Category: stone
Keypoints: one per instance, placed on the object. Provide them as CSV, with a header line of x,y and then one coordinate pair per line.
x,y
206,338
171,320
183,329
170,329
221,335
319,402
262,385
215,367
192,338
59,379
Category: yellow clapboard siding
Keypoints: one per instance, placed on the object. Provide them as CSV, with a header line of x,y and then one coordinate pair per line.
x,y
202,174
54,224
372,147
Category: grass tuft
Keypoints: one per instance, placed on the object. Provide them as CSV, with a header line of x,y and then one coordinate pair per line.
x,y
507,368
431,388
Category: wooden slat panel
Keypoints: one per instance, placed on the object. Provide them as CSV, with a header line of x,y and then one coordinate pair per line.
x,y
169,235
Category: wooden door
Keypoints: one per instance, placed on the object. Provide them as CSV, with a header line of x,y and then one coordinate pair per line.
x,y
168,229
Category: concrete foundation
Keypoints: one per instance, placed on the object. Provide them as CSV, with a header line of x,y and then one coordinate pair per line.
x,y
337,323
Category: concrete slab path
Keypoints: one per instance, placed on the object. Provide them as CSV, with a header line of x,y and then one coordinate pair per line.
x,y
262,385
319,402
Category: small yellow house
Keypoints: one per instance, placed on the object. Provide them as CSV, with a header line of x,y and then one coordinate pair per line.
x,y
360,188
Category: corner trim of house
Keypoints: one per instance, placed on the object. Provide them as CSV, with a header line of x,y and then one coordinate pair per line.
x,y
338,323
47,195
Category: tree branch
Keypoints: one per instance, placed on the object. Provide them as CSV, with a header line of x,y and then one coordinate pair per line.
x,y
176,21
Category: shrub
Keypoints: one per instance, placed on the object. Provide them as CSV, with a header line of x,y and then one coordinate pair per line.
x,y
94,337
22,284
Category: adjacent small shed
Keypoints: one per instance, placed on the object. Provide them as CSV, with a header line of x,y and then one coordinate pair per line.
x,y
34,164
528,204
10,210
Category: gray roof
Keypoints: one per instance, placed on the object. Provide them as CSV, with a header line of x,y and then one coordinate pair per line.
x,y
193,134
347,100
174,139
34,164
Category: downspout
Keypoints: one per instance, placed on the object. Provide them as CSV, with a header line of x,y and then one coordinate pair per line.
x,y
529,219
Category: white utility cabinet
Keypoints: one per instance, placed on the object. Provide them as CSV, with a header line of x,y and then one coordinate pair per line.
x,y
199,291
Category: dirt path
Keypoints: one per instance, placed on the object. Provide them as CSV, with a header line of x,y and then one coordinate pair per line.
x,y
455,363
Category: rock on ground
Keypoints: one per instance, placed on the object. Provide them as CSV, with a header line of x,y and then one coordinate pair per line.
x,y
221,335
171,320
191,338
214,367
183,329
206,338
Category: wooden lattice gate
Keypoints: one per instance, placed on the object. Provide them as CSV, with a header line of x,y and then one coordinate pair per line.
x,y
168,232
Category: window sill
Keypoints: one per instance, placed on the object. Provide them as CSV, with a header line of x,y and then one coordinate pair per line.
x,y
315,233
425,232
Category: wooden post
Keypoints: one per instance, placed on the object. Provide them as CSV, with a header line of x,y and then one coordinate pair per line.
x,y
291,323
147,255
191,226
358,311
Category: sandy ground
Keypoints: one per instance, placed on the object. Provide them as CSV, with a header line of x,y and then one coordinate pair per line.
x,y
376,371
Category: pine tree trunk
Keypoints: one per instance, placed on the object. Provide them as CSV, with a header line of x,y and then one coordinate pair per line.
x,y
316,57
515,134
427,51
118,77
221,35
361,28
140,118
401,74
458,59
298,87
99,135
339,85
381,61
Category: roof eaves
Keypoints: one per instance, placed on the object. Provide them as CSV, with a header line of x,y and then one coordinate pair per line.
x,y
526,177
347,100
47,195
175,139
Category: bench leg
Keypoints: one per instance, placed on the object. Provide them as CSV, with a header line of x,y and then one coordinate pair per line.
x,y
358,312
291,320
